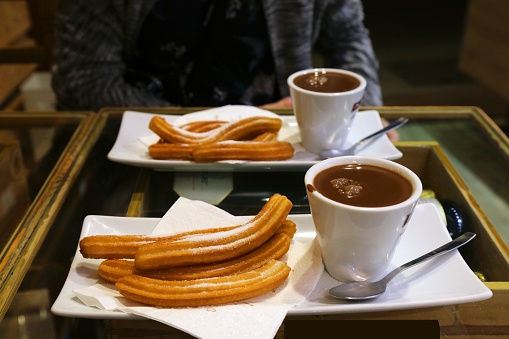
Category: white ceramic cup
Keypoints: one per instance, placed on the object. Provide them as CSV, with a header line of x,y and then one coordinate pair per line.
x,y
324,119
358,243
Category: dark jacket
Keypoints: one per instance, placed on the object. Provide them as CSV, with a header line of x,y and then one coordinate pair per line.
x,y
95,37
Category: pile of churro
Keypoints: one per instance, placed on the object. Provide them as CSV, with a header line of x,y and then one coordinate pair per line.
x,y
199,268
251,139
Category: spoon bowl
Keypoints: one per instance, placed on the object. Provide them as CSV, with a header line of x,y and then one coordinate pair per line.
x,y
364,290
332,153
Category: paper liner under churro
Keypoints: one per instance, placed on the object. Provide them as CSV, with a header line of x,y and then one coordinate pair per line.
x,y
204,292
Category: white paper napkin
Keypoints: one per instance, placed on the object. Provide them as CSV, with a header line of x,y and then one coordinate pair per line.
x,y
260,316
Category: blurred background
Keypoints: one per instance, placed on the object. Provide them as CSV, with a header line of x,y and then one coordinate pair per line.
x,y
435,53
431,53
438,53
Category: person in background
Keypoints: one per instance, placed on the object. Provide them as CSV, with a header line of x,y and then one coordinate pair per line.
x,y
203,53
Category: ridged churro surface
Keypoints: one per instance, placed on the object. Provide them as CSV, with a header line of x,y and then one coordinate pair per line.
x,y
125,246
203,126
276,247
243,150
217,246
249,139
204,292
247,128
166,151
201,267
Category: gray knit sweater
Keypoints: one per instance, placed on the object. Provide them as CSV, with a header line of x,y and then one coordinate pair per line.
x,y
94,37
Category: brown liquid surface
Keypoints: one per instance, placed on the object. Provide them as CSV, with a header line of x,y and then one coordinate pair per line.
x,y
327,82
363,185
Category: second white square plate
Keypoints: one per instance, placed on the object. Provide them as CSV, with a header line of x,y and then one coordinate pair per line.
x,y
134,136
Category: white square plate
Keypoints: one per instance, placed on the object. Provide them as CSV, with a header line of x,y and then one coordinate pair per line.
x,y
134,136
445,280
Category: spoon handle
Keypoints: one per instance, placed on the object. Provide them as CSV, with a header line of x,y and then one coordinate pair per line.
x,y
395,124
374,136
459,241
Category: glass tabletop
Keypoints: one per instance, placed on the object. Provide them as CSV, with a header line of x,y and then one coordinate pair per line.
x,y
477,148
92,184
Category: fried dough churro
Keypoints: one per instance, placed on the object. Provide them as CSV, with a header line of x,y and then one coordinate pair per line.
x,y
225,150
288,227
246,128
204,292
125,246
248,139
165,151
113,246
277,246
203,125
267,136
243,150
217,246
200,267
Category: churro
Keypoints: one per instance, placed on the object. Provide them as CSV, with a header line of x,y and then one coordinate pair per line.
x,y
216,246
225,150
267,136
202,125
248,139
243,150
277,246
288,227
113,269
243,129
204,292
113,246
125,246
165,151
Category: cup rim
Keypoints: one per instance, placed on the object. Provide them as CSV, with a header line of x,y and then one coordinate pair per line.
x,y
359,77
409,174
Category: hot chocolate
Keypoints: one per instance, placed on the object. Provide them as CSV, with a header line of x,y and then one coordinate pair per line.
x,y
363,185
327,82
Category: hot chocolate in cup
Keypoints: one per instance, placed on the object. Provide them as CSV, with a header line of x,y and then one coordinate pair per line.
x,y
325,101
360,207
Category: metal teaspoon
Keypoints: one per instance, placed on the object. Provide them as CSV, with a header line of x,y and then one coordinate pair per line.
x,y
331,153
364,290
